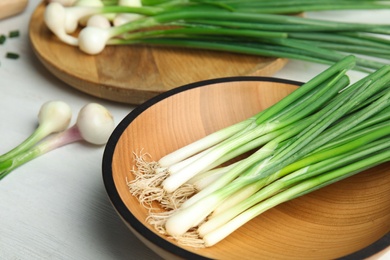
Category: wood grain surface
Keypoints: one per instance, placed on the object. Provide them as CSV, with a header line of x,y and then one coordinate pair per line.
x,y
11,7
134,74
327,224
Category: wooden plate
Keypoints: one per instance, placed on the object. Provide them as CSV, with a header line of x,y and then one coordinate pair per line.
x,y
134,74
327,224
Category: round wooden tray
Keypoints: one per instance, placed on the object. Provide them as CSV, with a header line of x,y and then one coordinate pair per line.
x,y
134,74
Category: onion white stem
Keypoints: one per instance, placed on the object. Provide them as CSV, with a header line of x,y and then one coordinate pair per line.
x,y
95,123
99,21
121,19
64,20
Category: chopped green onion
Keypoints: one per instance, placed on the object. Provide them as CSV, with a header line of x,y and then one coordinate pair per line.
x,y
12,55
13,34
2,38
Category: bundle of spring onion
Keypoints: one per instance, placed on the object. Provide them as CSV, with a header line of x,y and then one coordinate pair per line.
x,y
326,130
94,125
265,28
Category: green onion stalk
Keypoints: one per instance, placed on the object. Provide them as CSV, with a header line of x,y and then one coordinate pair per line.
x,y
325,131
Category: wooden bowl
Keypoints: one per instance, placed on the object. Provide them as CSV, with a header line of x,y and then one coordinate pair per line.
x,y
330,223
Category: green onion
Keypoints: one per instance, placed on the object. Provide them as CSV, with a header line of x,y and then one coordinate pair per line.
x,y
264,28
94,125
12,55
53,116
299,189
2,39
325,131
13,34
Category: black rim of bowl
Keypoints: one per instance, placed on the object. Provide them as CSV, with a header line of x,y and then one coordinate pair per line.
x,y
114,195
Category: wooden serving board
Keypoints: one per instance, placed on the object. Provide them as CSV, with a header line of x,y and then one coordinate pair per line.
x,y
134,74
11,7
